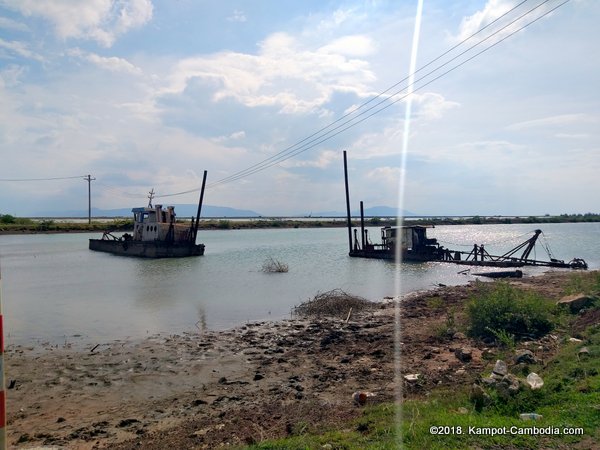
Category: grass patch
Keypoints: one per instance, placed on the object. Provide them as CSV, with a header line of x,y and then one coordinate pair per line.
x,y
583,283
501,311
375,429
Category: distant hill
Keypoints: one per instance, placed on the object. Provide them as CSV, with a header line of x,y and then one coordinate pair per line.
x,y
373,211
186,210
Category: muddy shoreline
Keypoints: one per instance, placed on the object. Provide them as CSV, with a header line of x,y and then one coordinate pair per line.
x,y
242,385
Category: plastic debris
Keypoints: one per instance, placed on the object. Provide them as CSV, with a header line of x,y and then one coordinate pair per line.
x,y
534,380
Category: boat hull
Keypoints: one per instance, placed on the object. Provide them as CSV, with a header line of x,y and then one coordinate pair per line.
x,y
147,249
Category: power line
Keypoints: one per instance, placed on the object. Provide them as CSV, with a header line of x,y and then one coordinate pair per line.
x,y
348,123
319,137
42,179
378,95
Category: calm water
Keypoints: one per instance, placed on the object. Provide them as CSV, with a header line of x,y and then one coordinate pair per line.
x,y
56,290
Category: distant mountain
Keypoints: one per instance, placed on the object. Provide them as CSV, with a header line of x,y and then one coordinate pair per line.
x,y
186,210
374,211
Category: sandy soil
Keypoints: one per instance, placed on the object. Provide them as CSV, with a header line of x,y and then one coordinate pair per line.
x,y
240,386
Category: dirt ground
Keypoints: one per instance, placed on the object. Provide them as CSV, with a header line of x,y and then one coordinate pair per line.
x,y
258,381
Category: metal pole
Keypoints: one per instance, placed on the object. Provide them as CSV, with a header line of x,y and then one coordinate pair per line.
x,y
348,203
362,225
2,392
89,179
200,206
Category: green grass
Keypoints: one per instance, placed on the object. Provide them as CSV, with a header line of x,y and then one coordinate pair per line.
x,y
583,283
375,429
500,310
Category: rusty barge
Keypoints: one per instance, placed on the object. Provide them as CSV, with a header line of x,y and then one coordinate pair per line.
x,y
155,234
411,244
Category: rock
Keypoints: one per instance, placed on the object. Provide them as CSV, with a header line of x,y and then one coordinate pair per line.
x,y
411,377
463,410
500,369
464,354
575,340
459,335
487,354
583,352
534,381
530,416
576,302
360,398
127,422
460,372
525,356
513,383
478,396
489,381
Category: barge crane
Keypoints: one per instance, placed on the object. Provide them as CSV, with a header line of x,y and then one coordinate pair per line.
x,y
410,243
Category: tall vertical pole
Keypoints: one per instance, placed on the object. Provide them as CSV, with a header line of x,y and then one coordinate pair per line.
x,y
2,392
89,179
362,225
348,204
199,206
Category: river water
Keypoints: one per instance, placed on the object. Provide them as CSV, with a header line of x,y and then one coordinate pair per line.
x,y
56,290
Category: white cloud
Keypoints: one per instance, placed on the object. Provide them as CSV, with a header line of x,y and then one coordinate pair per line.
x,y
554,121
99,20
431,105
237,16
13,25
387,174
491,11
20,49
235,136
357,46
323,160
284,73
111,63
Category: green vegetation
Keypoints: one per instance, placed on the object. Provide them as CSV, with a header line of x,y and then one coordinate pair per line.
x,y
375,429
11,224
503,312
569,398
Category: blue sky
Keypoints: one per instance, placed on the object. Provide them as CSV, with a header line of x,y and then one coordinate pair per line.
x,y
147,94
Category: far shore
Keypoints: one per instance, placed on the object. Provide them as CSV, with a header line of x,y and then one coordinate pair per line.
x,y
122,224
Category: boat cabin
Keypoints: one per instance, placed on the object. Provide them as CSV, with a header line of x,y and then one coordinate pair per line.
x,y
158,224
411,238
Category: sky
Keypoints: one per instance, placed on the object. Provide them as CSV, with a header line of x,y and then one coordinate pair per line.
x,y
147,94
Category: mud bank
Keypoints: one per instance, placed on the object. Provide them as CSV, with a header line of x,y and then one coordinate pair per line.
x,y
239,386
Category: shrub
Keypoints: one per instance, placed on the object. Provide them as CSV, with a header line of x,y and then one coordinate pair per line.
x,y
274,266
502,310
7,218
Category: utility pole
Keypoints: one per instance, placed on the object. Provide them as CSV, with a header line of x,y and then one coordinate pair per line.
x,y
89,179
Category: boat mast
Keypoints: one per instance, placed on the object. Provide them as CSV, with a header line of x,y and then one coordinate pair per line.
x,y
199,208
348,204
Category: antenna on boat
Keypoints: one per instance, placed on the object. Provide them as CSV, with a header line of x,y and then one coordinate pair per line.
x,y
150,198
